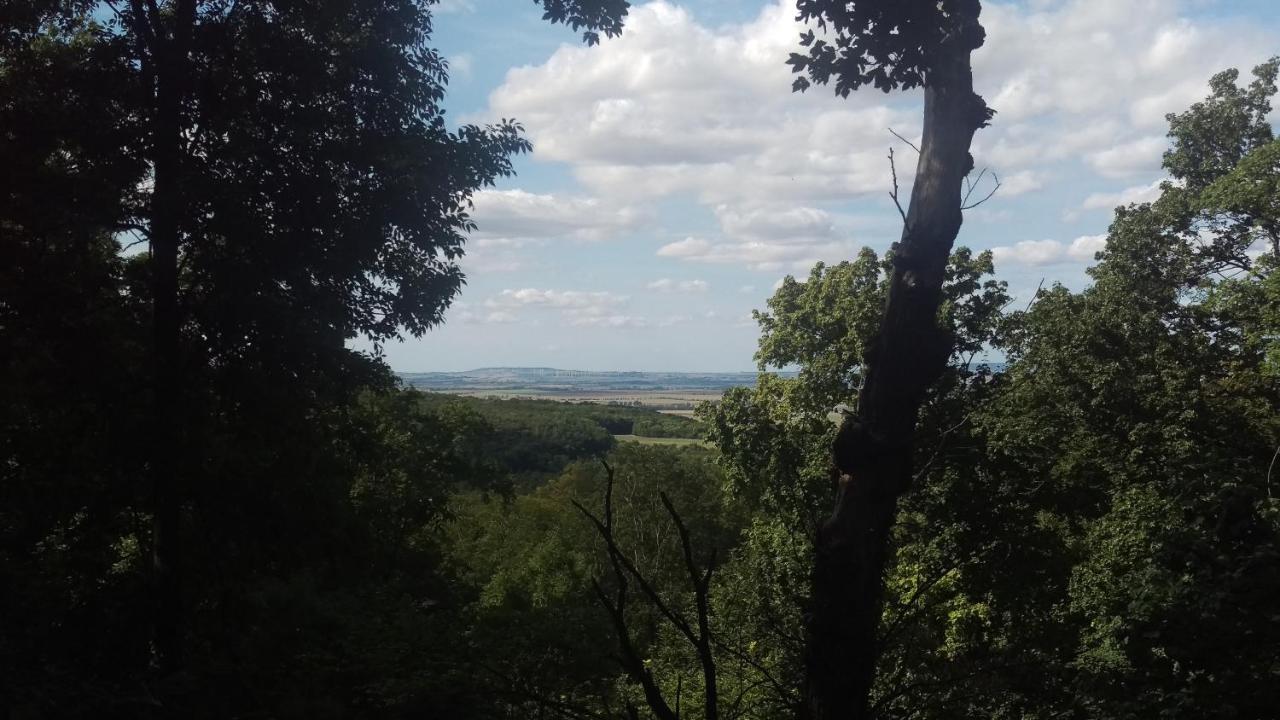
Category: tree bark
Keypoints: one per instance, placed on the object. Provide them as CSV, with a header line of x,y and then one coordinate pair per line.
x,y
873,453
169,52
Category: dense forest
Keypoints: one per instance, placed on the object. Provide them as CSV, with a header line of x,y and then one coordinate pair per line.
x,y
212,506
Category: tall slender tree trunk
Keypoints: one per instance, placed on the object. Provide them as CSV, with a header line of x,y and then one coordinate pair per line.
x,y
873,453
170,52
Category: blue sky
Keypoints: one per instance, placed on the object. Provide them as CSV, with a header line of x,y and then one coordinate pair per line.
x,y
675,178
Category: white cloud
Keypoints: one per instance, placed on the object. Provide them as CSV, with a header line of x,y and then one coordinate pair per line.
x,y
576,308
1143,155
1125,197
772,222
1105,59
676,107
497,317
1018,183
500,316
606,321
766,237
1049,252
461,65
757,254
1093,79
574,299
667,285
445,7
516,216
673,106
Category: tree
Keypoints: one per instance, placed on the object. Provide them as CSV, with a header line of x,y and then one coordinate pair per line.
x,y
1164,364
888,45
290,172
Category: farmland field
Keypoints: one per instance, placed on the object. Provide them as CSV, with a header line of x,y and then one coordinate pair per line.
x,y
657,440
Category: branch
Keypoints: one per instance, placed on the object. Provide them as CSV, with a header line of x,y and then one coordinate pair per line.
x,y
630,659
522,689
905,608
996,178
605,531
780,689
1034,296
894,193
700,592
969,186
1271,467
631,662
908,142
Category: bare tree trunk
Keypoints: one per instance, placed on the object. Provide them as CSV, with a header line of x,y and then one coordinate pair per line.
x,y
169,60
873,454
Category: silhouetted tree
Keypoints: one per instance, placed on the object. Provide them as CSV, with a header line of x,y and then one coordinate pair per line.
x,y
890,44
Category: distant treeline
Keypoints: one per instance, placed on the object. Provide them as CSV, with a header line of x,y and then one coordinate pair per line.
x,y
613,418
531,439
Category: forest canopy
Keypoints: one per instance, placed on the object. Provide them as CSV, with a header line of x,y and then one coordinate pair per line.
x,y
213,505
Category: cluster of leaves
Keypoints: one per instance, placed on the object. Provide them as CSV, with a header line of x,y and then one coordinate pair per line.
x,y
888,44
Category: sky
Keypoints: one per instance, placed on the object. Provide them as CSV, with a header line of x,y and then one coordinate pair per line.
x,y
675,178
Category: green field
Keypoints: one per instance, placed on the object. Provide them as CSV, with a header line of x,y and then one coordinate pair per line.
x,y
658,440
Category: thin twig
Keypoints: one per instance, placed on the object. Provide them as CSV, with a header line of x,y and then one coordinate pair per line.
x,y
1270,468
894,194
701,583
1035,295
908,142
989,195
969,186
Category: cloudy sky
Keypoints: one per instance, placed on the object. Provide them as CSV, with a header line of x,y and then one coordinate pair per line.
x,y
675,177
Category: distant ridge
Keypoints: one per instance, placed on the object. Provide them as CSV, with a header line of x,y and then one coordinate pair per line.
x,y
558,379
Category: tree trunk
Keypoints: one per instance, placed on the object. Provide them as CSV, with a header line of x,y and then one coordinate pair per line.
x,y
873,454
168,436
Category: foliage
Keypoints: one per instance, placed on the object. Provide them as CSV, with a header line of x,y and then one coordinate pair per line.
x,y
888,44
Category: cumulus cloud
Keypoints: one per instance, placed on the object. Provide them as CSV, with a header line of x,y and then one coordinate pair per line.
x,y
766,238
1049,252
667,285
575,299
575,308
1135,157
497,317
517,217
461,65
606,321
675,106
1108,60
1012,185
756,254
1127,196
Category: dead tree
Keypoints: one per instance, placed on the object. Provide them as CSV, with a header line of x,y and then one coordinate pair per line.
x,y
890,44
696,632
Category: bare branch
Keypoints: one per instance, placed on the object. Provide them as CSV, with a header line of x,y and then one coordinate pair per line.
x,y
989,195
1271,467
522,689
1035,295
619,558
894,193
701,583
631,662
969,186
779,689
908,142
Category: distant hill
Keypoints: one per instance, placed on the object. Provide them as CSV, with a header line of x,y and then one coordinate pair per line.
x,y
545,379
